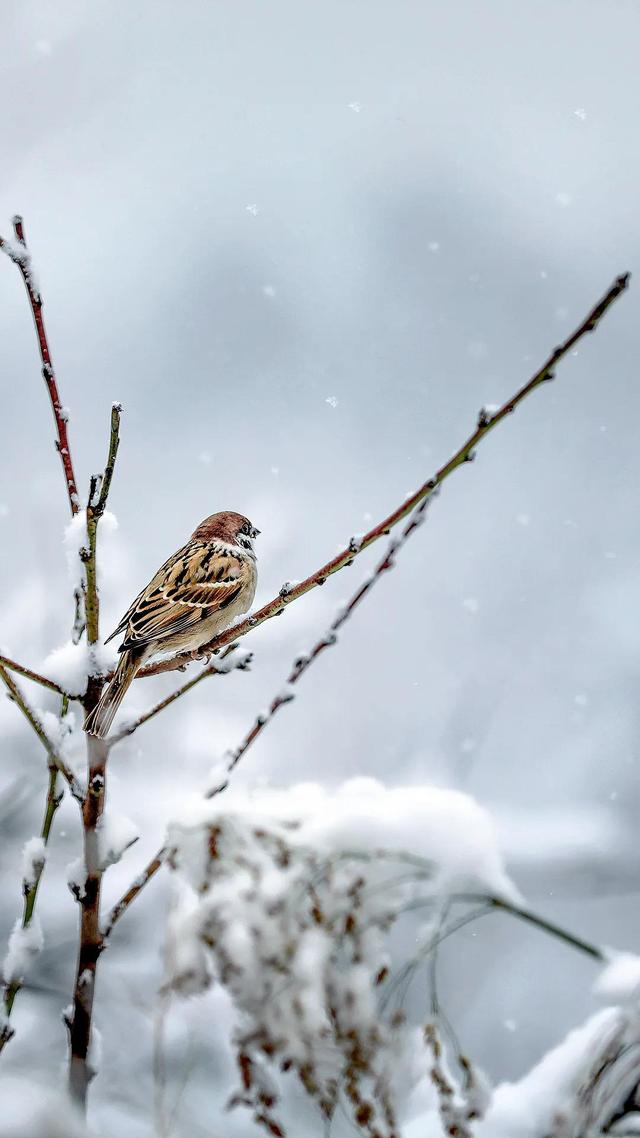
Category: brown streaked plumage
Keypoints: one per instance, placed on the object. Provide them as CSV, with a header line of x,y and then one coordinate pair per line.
x,y
195,595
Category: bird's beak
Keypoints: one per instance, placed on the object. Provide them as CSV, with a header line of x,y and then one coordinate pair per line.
x,y
255,532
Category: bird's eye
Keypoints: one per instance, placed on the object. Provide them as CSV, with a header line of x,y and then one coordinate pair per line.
x,y
245,528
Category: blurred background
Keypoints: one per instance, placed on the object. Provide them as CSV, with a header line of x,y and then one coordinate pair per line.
x,y
303,244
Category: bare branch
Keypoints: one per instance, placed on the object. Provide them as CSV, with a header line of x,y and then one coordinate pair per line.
x,y
114,443
54,755
134,890
327,640
29,674
96,505
19,254
219,667
486,422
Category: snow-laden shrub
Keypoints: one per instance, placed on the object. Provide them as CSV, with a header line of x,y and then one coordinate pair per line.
x,y
288,900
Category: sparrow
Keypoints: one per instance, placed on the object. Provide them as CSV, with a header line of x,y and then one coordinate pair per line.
x,y
195,595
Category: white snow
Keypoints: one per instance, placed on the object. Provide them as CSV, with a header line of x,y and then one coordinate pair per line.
x,y
32,1110
440,826
70,664
25,945
76,877
288,898
620,978
115,834
76,538
34,854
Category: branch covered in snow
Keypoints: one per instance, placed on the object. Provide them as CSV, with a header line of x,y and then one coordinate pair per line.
x,y
20,255
53,752
486,422
29,674
96,506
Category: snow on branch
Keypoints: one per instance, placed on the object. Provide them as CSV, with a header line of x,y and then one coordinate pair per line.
x,y
52,751
487,420
29,674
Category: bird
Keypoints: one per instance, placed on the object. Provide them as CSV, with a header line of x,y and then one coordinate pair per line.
x,y
197,593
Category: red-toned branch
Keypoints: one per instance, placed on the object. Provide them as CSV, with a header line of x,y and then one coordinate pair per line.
x,y
486,422
19,254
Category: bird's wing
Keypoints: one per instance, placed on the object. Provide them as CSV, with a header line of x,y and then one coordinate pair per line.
x,y
200,580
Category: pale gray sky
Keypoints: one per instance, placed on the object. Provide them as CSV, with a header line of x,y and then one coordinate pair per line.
x,y
303,243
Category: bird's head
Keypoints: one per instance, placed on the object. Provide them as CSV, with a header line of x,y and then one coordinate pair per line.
x,y
227,526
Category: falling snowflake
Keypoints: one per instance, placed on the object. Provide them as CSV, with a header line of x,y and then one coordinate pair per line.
x,y
252,209
268,290
43,47
563,199
471,604
580,113
433,246
4,510
523,519
205,457
357,107
331,400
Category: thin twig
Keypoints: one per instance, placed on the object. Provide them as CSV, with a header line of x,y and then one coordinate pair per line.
x,y
486,422
327,640
541,923
134,890
215,668
29,674
96,506
29,714
19,254
30,887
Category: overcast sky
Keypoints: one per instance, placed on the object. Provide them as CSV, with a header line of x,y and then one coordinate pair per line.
x,y
303,244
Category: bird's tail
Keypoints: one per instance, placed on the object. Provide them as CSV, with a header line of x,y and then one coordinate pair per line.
x,y
102,716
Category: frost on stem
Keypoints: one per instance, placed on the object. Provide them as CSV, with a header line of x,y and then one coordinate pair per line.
x,y
34,855
289,901
25,945
77,878
115,834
